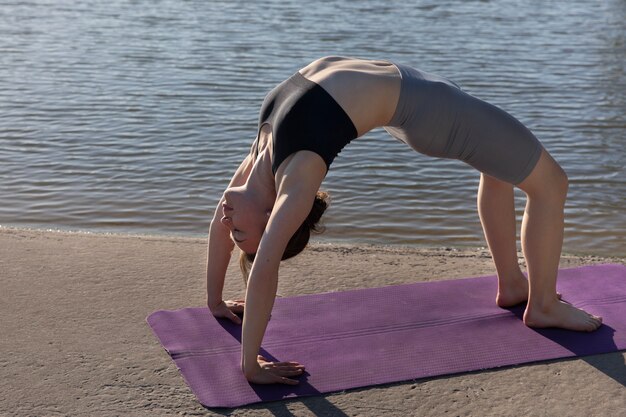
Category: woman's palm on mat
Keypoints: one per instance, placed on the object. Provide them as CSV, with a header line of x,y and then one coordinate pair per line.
x,y
268,372
229,309
275,372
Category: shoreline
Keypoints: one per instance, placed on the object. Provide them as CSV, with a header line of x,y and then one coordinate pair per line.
x,y
75,341
314,243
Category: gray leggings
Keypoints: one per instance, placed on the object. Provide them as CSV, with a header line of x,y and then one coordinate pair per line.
x,y
435,117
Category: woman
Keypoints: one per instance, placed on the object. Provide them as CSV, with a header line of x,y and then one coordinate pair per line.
x,y
272,202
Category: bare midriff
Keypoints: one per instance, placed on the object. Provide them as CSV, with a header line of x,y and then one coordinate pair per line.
x,y
368,91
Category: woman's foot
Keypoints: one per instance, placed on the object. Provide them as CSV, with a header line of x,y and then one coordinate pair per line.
x,y
512,292
562,315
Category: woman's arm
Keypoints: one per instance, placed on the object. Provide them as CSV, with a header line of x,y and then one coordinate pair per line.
x,y
296,187
220,245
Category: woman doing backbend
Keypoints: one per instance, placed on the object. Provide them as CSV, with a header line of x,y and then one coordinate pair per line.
x,y
272,202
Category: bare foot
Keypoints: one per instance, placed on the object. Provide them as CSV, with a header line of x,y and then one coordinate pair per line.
x,y
513,292
562,315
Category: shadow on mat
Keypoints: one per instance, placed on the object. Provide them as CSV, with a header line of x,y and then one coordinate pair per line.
x,y
319,407
588,347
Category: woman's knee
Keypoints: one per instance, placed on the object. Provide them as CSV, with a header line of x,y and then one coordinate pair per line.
x,y
547,180
558,181
562,181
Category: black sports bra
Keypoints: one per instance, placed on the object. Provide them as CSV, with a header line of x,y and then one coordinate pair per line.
x,y
303,116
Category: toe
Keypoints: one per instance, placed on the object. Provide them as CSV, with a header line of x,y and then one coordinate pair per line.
x,y
595,322
598,321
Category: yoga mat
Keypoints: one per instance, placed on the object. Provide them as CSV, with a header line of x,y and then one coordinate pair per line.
x,y
374,336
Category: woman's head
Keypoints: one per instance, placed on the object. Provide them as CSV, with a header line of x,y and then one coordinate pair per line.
x,y
246,212
300,238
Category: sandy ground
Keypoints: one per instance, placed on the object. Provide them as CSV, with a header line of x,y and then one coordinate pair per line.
x,y
75,343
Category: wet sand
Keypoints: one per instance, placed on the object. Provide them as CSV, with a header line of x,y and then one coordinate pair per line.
x,y
75,342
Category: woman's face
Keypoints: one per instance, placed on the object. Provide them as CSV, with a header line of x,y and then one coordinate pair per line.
x,y
245,217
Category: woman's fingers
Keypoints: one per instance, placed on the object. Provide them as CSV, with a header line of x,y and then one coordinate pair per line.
x,y
224,311
271,376
288,381
236,306
234,318
281,378
285,371
281,369
283,365
295,372
296,367
287,364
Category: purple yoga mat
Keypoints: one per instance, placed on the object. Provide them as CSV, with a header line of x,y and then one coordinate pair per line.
x,y
374,336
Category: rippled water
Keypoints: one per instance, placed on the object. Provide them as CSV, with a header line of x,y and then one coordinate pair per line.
x,y
130,116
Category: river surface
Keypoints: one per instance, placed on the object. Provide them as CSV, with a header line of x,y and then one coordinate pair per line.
x,y
131,116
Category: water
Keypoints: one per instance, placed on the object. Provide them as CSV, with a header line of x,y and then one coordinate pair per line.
x,y
131,116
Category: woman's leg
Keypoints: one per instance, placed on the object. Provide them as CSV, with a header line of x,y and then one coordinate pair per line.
x,y
497,215
542,239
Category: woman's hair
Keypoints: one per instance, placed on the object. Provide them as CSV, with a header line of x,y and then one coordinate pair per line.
x,y
300,238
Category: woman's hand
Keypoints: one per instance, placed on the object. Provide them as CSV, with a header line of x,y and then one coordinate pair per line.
x,y
274,372
228,309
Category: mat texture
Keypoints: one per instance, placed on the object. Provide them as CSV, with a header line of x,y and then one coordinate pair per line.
x,y
373,336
